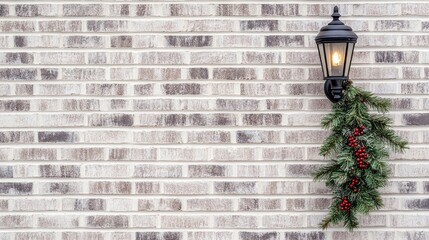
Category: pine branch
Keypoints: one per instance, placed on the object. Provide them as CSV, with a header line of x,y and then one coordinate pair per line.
x,y
344,146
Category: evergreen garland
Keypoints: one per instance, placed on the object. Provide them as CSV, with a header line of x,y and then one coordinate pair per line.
x,y
358,150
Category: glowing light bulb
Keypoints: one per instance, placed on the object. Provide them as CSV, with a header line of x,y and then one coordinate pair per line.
x,y
336,59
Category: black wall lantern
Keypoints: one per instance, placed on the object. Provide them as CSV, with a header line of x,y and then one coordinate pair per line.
x,y
335,43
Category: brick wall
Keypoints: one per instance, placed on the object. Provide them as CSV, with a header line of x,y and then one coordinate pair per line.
x,y
196,120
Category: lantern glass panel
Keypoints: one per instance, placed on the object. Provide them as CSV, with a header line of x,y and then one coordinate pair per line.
x,y
322,59
350,50
336,56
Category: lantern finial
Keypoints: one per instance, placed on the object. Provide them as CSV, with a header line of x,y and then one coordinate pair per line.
x,y
336,15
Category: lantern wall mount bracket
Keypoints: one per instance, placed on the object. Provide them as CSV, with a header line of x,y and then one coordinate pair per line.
x,y
336,32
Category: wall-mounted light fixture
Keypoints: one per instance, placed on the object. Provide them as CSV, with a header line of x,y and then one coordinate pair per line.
x,y
335,43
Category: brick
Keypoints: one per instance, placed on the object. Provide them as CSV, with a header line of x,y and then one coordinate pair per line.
x,y
60,26
62,58
409,220
4,10
284,41
54,137
60,188
159,205
158,137
132,154
396,57
59,171
235,187
259,235
90,204
186,188
416,119
259,25
253,204
417,203
104,221
34,235
147,187
16,221
234,73
282,221
15,105
110,120
184,221
236,10
82,10
250,136
69,221
236,221
209,137
262,119
189,41
16,188
210,235
396,25
145,221
209,171
159,236
106,89
16,58
82,235
198,73
107,171
280,9
16,137
6,172
110,187
157,171
121,41
18,74
119,10
182,89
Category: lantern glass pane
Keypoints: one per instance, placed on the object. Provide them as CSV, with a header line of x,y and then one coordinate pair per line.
x,y
336,56
350,49
322,59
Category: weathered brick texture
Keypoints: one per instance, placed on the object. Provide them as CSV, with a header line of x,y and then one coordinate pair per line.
x,y
196,120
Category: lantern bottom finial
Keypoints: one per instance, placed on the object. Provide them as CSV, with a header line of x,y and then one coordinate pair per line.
x,y
334,88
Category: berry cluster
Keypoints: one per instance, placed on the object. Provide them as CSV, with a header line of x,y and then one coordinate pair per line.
x,y
353,184
361,155
359,130
352,142
345,205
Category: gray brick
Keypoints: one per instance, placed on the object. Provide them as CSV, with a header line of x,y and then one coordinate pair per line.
x,y
26,10
15,105
259,25
121,41
82,10
16,137
159,236
111,120
259,236
103,221
234,73
416,119
18,74
49,73
58,137
304,235
189,41
6,172
4,10
284,41
280,9
235,187
63,171
182,89
417,203
16,188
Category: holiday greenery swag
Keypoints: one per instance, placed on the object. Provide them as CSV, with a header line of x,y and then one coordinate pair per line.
x,y
358,151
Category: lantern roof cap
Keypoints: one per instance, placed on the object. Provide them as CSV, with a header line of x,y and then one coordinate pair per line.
x,y
336,31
